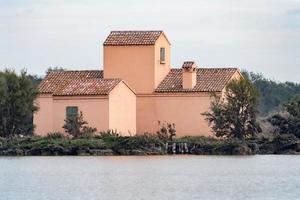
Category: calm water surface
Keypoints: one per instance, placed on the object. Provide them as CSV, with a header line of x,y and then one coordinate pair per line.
x,y
157,177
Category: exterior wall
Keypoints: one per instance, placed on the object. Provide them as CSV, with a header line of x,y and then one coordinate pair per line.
x,y
122,110
134,64
182,109
161,69
138,65
94,109
43,118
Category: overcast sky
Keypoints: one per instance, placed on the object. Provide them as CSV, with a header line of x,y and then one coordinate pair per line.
x,y
256,35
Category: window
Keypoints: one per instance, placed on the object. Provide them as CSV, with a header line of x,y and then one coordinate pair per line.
x,y
71,111
162,55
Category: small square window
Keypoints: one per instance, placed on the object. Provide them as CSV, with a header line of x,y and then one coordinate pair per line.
x,y
71,111
162,55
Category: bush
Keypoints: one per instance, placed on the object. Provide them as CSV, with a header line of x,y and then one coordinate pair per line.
x,y
288,122
197,140
55,135
167,131
76,126
109,134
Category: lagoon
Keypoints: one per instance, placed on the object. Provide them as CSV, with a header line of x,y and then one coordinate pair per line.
x,y
151,177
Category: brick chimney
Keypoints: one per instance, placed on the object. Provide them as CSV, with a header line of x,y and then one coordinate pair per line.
x,y
189,75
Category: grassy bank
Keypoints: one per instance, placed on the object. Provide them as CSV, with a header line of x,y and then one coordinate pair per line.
x,y
144,145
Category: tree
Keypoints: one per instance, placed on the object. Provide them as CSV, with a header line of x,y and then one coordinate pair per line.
x,y
234,116
17,95
289,121
55,69
76,126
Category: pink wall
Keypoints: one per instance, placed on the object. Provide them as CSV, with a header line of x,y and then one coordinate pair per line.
x,y
134,64
116,111
94,110
162,69
138,65
122,110
43,118
182,109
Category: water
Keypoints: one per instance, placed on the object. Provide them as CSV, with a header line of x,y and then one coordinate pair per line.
x,y
157,177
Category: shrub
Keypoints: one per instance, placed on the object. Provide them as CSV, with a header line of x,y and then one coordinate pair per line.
x,y
76,126
144,141
55,135
108,134
289,122
197,140
166,131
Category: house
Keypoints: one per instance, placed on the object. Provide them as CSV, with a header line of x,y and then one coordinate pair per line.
x,y
136,88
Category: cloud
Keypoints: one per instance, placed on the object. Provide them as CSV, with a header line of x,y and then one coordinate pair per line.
x,y
257,34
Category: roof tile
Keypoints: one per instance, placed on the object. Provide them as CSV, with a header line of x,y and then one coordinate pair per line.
x,y
122,38
95,86
59,79
208,80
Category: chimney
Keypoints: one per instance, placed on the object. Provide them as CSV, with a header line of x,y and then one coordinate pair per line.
x,y
189,75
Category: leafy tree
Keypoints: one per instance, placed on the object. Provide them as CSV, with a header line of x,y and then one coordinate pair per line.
x,y
288,122
234,116
76,126
17,95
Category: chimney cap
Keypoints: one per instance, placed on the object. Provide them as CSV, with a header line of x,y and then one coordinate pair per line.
x,y
189,65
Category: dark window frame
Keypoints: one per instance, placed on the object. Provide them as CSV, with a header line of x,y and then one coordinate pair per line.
x,y
162,55
71,111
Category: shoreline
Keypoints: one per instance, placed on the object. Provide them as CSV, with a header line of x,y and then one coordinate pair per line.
x,y
145,145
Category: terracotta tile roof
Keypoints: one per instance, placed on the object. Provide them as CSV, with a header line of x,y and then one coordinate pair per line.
x,y
95,86
58,79
122,38
208,80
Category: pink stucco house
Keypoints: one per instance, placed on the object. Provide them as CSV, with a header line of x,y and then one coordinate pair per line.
x,y
136,88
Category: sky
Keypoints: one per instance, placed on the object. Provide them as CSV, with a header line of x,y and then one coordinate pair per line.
x,y
255,35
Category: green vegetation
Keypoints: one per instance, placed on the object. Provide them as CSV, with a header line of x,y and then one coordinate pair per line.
x,y
234,116
17,95
272,93
288,122
76,126
110,143
107,143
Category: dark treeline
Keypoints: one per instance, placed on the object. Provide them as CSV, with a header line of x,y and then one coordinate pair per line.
x,y
273,94
37,79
